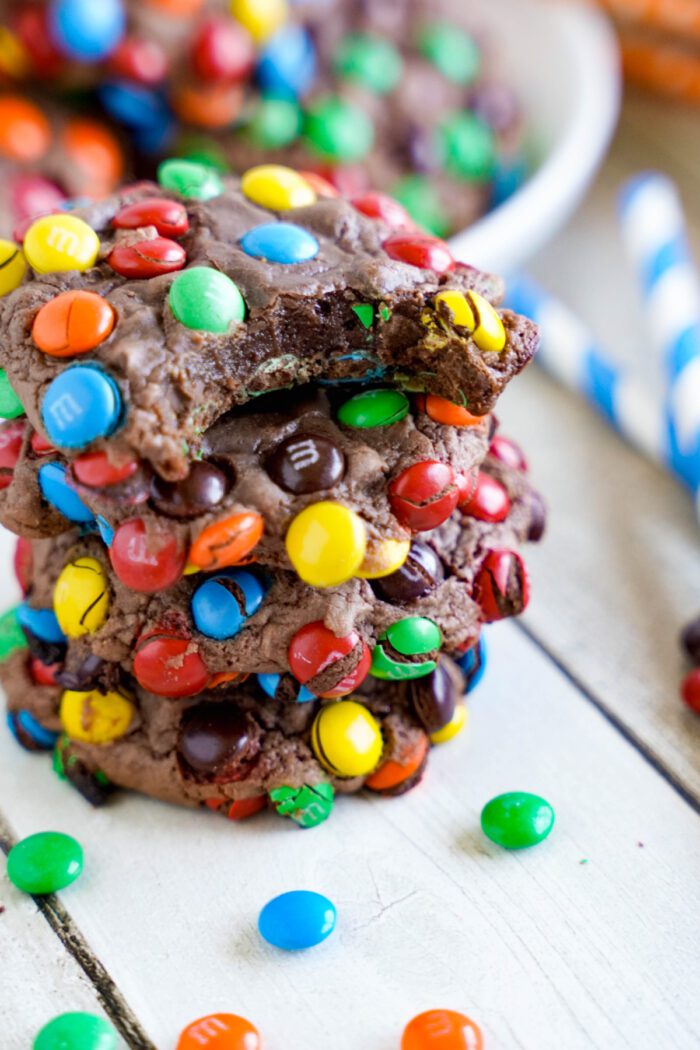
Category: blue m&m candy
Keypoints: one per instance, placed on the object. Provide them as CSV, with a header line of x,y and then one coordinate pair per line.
x,y
81,404
87,30
56,491
473,664
287,63
105,530
298,919
269,683
280,242
222,604
42,623
29,733
138,107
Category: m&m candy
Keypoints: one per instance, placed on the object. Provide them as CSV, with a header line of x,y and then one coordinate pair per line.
x,y
690,690
337,130
147,258
80,405
398,775
466,146
203,489
374,408
56,243
326,544
346,739
76,1031
315,654
95,470
206,300
241,809
453,51
261,18
440,410
223,602
488,500
434,698
227,542
140,108
44,863
169,217
506,451
473,664
284,688
277,188
42,623
54,487
94,717
306,463
25,132
441,1030
287,63
217,742
81,597
167,664
224,1031
383,558
30,733
190,179
501,586
10,404
421,250
146,561
73,323
11,439
12,266
424,495
369,61
139,59
222,51
380,206
280,242
517,819
308,806
274,123
86,31
96,154
296,920
488,332
420,573
413,636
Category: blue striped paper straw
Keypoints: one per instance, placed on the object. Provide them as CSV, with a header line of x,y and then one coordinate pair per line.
x,y
654,232
570,353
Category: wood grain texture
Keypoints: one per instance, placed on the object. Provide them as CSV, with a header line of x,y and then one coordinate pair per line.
x,y
544,950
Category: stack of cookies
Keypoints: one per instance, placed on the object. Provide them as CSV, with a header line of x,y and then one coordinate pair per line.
x,y
265,510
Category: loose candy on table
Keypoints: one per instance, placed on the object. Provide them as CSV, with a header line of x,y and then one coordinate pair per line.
x,y
203,489
166,664
397,775
241,809
147,259
337,130
308,806
453,727
280,242
305,463
227,542
30,733
346,739
54,487
93,717
297,920
10,405
190,179
424,495
517,819
441,1030
59,243
12,266
270,684
45,862
217,742
146,561
488,500
81,405
326,544
76,1031
374,408
206,300
501,586
220,1032
277,188
223,602
314,650
81,597
72,323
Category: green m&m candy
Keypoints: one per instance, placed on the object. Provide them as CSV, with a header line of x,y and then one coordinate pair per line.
x,y
421,200
338,130
455,53
374,408
467,147
370,61
413,636
76,1031
190,179
206,300
517,819
12,636
10,404
45,862
275,122
308,806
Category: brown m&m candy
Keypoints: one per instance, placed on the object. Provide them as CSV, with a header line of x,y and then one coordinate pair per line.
x,y
306,463
218,742
204,488
419,575
435,697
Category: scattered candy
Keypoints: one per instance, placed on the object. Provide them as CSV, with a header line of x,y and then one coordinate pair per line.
x,y
346,739
424,495
453,727
374,408
467,147
44,863
217,742
141,60
421,250
80,405
222,604
383,558
25,132
220,1032
420,574
76,1031
313,652
203,489
275,123
227,542
287,63
277,188
147,258
307,806
517,820
441,1030
40,622
86,31
146,561
370,61
398,775
29,733
10,405
690,690
326,544
296,920
501,586
141,109
12,266
222,51
167,664
81,597
206,300
488,500
306,463
338,131
57,243
190,179
280,242
261,18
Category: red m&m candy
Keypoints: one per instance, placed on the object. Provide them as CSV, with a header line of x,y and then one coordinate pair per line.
x,y
169,217
167,664
39,445
141,60
690,690
321,186
315,650
424,495
23,563
488,500
11,438
223,51
147,258
420,249
506,451
31,196
441,1030
94,470
239,810
501,586
146,562
381,206
43,674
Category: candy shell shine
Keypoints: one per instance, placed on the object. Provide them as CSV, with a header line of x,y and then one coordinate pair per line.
x,y
276,187
326,544
346,739
517,819
45,862
280,242
59,243
81,597
453,727
260,17
220,1031
80,405
296,920
76,1031
56,491
93,717
12,266
206,300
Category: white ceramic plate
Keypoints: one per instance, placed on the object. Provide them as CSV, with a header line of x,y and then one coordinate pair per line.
x,y
562,59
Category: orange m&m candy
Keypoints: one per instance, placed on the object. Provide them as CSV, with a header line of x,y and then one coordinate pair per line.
x,y
73,323
227,542
182,8
208,106
25,133
392,774
220,1032
440,410
96,153
441,1030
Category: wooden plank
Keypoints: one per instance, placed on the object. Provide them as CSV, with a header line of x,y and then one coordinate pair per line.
x,y
585,942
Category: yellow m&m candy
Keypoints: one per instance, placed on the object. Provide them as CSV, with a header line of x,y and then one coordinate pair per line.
x,y
326,544
383,558
56,243
489,333
276,187
346,739
81,597
461,313
453,727
12,266
94,717
260,17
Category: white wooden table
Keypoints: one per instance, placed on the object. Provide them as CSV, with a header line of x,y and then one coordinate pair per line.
x,y
587,941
